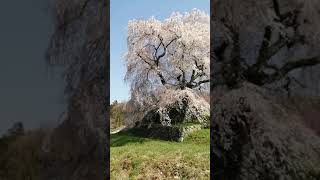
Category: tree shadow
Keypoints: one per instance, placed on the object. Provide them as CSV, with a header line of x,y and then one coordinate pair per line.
x,y
123,138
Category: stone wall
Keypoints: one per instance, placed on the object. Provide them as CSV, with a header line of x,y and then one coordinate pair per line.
x,y
168,133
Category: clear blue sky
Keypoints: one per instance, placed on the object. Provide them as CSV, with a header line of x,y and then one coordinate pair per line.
x,y
121,11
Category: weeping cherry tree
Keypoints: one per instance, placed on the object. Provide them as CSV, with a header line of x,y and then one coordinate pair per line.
x,y
168,57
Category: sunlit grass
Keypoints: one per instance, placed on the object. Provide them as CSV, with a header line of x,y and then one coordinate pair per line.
x,y
140,158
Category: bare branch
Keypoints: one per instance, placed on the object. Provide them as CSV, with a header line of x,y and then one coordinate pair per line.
x,y
264,49
288,67
163,81
200,82
299,64
268,52
138,54
174,39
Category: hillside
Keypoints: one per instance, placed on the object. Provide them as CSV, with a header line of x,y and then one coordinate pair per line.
x,y
133,157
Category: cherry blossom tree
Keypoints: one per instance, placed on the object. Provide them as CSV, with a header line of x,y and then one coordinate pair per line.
x,y
167,60
173,53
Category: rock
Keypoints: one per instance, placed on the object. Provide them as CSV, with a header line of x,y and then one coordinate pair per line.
x,y
257,136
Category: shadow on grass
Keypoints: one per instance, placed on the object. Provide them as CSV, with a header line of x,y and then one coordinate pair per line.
x,y
123,138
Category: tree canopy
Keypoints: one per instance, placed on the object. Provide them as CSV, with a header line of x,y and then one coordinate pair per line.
x,y
169,54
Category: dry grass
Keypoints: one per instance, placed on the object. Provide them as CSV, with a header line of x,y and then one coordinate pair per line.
x,y
20,157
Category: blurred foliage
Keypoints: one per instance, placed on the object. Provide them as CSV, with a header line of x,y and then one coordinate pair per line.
x,y
20,152
117,114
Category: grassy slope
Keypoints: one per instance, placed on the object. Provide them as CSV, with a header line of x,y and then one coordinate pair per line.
x,y
143,158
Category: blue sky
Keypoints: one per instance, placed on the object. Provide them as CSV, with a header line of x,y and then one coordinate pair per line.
x,y
121,11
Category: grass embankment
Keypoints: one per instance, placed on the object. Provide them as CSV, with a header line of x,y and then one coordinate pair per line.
x,y
142,158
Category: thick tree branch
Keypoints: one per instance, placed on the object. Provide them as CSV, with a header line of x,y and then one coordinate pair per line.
x,y
164,48
266,53
267,50
200,82
299,64
138,54
183,79
192,76
276,7
263,53
163,81
288,67
174,39
219,51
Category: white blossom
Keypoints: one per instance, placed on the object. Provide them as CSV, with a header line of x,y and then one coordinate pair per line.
x,y
173,53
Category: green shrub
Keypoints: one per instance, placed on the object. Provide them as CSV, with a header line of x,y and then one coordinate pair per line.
x,y
117,114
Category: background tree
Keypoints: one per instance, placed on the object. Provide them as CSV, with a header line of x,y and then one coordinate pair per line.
x,y
78,44
17,129
169,54
266,44
117,114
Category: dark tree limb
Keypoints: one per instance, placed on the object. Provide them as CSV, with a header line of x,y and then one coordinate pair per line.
x,y
138,54
156,49
299,64
199,83
192,76
290,66
162,79
266,53
219,51
276,7
263,53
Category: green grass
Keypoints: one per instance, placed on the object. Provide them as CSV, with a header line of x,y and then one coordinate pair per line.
x,y
142,158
